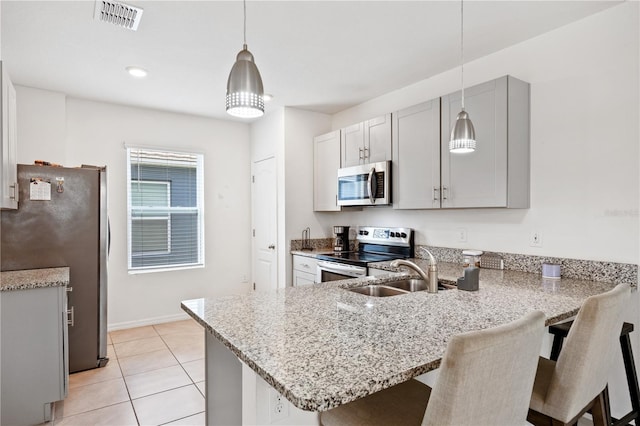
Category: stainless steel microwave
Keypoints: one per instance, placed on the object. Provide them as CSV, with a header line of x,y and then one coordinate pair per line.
x,y
365,185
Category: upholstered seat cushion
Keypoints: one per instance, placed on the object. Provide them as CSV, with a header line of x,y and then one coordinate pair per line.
x,y
403,404
541,383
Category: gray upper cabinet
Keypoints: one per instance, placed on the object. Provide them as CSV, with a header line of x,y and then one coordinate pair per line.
x,y
352,145
496,174
416,156
366,142
326,162
8,142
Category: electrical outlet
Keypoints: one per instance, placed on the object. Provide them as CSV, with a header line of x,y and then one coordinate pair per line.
x,y
244,278
279,406
461,234
536,239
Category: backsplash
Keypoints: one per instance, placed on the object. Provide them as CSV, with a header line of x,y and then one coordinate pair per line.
x,y
315,243
571,268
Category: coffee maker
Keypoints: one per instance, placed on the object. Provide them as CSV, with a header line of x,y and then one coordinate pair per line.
x,y
341,242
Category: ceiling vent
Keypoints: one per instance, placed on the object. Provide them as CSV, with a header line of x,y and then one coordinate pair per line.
x,y
119,14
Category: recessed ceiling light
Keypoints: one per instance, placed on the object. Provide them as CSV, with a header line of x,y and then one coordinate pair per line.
x,y
137,71
267,97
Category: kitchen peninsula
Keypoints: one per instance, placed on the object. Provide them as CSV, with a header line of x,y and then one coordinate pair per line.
x,y
321,346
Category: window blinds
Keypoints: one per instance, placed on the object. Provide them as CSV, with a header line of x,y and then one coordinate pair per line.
x,y
165,209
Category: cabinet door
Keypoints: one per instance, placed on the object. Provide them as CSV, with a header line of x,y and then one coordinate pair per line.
x,y
352,144
377,137
34,357
304,264
9,142
479,178
326,162
303,278
416,156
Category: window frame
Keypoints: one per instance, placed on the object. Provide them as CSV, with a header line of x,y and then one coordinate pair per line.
x,y
197,163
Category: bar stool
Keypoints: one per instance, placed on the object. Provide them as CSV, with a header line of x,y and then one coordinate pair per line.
x,y
485,378
576,382
560,331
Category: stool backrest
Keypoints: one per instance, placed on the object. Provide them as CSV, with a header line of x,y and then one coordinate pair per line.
x,y
486,377
582,369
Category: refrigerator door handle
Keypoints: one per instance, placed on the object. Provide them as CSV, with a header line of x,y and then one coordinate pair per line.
x,y
108,236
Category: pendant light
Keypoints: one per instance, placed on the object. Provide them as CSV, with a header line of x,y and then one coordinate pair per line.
x,y
245,94
463,135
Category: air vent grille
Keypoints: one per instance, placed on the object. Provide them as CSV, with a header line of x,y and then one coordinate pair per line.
x,y
120,14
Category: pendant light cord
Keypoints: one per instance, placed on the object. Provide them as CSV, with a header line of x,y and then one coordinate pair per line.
x,y
244,4
462,49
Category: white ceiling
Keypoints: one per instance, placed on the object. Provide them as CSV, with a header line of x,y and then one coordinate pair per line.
x,y
319,55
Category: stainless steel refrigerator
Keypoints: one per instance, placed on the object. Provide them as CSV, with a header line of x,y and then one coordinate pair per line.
x,y
61,220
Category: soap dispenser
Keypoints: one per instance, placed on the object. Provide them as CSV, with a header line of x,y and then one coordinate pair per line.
x,y
471,279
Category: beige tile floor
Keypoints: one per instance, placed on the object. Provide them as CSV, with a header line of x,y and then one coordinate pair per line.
x,y
155,376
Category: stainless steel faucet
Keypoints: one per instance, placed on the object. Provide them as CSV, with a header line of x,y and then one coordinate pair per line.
x,y
431,278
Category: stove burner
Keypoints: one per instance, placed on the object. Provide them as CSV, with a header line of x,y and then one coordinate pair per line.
x,y
359,258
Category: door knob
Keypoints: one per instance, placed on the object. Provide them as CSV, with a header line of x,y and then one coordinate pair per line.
x,y
272,246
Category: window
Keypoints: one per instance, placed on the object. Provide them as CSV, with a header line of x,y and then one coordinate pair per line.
x,y
165,210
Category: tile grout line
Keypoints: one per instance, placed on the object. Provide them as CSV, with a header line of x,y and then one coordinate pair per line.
x,y
135,413
123,377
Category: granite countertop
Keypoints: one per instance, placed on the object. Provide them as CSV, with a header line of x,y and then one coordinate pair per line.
x,y
311,253
322,346
34,278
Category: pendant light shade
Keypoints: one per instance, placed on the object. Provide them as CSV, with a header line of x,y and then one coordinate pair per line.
x,y
245,93
463,135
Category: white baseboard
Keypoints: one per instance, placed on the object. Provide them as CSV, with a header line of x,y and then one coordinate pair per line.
x,y
148,321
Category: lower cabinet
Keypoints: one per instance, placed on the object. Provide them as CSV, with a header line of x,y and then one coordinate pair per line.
x,y
34,354
304,270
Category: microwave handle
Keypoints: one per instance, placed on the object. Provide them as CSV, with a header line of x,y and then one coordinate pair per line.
x,y
370,183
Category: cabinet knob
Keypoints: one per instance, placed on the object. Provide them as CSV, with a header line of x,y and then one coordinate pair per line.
x,y
436,193
271,246
444,192
360,154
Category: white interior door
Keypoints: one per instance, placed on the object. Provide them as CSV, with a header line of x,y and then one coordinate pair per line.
x,y
264,205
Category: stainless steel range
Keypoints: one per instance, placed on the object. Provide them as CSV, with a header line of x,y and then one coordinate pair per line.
x,y
375,245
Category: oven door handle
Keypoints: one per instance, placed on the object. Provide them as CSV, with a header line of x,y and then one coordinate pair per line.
x,y
370,183
340,268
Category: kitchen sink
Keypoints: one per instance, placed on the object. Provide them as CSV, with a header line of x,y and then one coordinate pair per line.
x,y
409,285
378,291
417,285
395,288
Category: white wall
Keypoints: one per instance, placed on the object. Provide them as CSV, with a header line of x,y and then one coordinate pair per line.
x,y
95,134
300,128
584,145
287,134
42,125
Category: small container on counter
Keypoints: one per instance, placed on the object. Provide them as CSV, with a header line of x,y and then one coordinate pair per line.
x,y
551,271
471,257
471,279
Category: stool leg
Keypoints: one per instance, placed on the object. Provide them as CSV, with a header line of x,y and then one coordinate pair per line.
x,y
632,377
556,347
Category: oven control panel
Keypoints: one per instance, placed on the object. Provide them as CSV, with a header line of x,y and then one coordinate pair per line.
x,y
386,236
